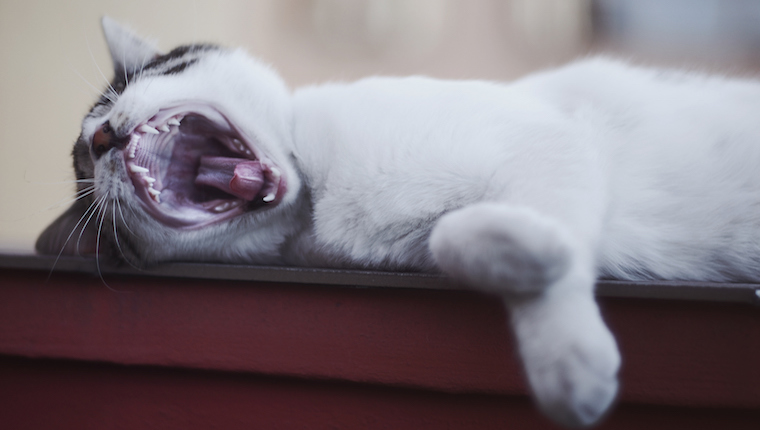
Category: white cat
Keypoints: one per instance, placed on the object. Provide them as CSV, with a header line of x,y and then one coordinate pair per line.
x,y
528,190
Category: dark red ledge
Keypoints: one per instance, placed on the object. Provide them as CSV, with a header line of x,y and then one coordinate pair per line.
x,y
369,341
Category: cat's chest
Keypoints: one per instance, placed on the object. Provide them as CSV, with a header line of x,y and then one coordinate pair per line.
x,y
379,217
384,159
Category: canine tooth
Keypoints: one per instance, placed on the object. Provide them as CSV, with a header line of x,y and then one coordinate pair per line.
x,y
138,169
275,172
145,128
164,128
269,197
173,121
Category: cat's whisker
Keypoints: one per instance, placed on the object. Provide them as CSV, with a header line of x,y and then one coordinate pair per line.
x,y
68,238
68,200
67,181
112,91
116,236
142,66
102,215
96,89
124,65
124,221
96,205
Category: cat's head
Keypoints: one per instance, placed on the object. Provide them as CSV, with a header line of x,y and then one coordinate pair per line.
x,y
186,156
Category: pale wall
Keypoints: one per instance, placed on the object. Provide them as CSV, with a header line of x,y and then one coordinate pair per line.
x,y
50,52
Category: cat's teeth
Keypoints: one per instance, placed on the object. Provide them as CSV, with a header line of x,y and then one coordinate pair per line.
x,y
155,194
173,121
138,169
133,144
145,128
248,151
149,180
239,145
164,128
269,197
223,207
275,172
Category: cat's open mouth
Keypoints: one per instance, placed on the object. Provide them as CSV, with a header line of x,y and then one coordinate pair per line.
x,y
192,167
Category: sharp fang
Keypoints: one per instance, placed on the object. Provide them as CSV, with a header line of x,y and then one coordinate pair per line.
x,y
173,121
138,169
275,172
149,180
164,128
269,197
145,128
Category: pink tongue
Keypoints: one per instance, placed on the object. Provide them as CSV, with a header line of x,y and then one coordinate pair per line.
x,y
237,176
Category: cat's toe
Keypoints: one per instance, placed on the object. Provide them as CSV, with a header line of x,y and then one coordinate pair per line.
x,y
575,382
575,395
570,357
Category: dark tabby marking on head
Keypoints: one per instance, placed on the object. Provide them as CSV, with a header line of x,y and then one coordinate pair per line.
x,y
176,61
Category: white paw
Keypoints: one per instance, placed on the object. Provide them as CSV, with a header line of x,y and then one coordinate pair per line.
x,y
571,361
575,390
498,248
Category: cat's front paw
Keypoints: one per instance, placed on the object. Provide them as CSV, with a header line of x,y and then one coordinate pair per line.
x,y
576,390
571,361
502,249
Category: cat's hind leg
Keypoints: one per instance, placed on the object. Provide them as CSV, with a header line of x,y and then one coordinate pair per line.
x,y
546,280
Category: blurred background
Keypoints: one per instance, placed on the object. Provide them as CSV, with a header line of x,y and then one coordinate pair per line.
x,y
53,59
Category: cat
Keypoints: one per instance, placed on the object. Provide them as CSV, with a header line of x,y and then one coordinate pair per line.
x,y
528,190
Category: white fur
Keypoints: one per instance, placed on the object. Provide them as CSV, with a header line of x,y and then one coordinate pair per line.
x,y
530,190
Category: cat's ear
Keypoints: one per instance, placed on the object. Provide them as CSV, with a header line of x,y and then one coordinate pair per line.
x,y
63,235
129,52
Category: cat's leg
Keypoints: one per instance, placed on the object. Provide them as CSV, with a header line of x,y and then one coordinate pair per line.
x,y
499,248
546,280
570,357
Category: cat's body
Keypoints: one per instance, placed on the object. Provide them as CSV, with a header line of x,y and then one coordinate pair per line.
x,y
637,161
529,190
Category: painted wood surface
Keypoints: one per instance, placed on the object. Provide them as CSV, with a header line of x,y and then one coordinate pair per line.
x,y
339,356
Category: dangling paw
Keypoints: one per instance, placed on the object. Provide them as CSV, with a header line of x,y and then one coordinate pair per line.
x,y
570,358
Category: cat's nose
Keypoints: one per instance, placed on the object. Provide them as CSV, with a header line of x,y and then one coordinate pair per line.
x,y
104,139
